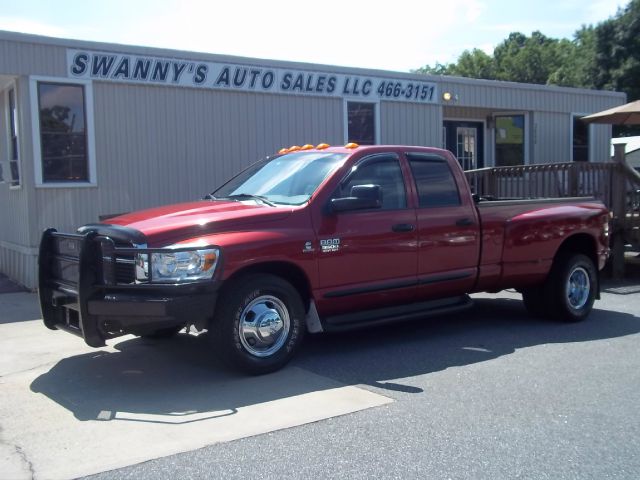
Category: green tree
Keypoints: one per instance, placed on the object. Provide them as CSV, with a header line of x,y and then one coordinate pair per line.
x,y
617,52
474,64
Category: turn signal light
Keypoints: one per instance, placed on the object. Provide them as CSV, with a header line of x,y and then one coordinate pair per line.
x,y
351,145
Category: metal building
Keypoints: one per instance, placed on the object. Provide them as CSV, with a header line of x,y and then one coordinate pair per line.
x,y
92,129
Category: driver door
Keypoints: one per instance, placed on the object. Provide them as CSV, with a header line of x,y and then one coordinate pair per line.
x,y
367,259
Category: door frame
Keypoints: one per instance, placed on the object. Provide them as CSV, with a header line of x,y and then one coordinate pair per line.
x,y
485,136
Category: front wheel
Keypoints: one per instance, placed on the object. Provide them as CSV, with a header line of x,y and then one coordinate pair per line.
x,y
259,323
571,288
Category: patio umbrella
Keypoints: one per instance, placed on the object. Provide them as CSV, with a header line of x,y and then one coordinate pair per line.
x,y
628,114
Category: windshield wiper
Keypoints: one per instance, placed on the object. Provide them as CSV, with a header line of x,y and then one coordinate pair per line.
x,y
249,196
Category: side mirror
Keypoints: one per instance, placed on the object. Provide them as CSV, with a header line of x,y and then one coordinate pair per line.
x,y
362,197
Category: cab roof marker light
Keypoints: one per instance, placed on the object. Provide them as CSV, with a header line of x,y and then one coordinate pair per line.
x,y
294,148
351,145
308,146
322,146
283,151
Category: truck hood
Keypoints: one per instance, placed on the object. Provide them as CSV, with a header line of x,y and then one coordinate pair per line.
x,y
183,221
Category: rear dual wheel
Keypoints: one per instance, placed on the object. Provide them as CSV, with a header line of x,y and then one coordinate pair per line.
x,y
569,291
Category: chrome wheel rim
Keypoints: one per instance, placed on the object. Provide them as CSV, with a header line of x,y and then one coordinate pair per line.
x,y
578,288
264,326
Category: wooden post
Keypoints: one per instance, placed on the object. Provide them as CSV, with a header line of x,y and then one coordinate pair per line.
x,y
618,205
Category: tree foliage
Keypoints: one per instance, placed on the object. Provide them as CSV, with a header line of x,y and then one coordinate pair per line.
x,y
605,56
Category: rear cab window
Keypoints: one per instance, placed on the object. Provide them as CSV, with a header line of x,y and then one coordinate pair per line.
x,y
434,181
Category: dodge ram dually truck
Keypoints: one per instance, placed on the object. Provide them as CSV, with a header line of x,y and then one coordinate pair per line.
x,y
319,239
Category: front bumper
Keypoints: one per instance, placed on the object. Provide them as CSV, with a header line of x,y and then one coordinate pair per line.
x,y
79,292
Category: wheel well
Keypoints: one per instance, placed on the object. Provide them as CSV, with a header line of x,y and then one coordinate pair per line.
x,y
288,271
580,243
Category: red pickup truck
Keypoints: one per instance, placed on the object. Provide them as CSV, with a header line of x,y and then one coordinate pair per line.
x,y
317,239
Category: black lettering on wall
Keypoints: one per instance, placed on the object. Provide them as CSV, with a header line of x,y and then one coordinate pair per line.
x,y
141,69
223,78
286,81
101,65
79,64
122,71
160,71
178,70
201,74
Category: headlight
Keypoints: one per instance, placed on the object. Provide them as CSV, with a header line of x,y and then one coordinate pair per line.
x,y
180,266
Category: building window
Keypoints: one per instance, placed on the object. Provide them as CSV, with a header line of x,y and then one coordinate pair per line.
x,y
510,146
12,134
361,123
63,132
580,140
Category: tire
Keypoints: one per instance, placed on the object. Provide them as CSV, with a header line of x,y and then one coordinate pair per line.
x,y
570,290
533,301
258,325
163,333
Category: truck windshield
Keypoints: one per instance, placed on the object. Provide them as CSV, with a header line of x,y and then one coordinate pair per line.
x,y
287,179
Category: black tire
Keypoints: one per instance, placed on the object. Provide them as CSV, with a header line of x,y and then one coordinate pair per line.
x,y
259,324
163,333
571,287
534,301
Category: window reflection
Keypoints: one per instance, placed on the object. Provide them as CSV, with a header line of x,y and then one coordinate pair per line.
x,y
361,123
63,133
509,140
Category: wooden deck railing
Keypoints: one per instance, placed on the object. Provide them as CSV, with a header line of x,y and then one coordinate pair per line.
x,y
613,182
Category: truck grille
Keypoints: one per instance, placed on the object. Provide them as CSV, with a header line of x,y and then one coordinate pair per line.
x,y
117,268
66,250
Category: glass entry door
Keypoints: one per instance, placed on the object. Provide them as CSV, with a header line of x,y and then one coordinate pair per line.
x,y
466,141
466,147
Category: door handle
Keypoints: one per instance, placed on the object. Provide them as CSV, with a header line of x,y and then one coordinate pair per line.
x,y
464,222
403,227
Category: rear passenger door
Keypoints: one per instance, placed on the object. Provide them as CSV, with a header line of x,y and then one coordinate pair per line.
x,y
373,263
448,229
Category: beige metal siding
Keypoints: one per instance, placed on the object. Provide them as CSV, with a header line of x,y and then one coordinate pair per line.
x,y
508,96
158,145
410,124
18,238
32,58
550,134
464,113
601,143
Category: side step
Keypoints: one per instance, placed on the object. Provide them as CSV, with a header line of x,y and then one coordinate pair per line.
x,y
382,316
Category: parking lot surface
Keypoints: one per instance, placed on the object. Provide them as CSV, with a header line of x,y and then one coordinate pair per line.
x,y
488,393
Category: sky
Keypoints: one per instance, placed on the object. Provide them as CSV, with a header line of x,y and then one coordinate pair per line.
x,y
397,35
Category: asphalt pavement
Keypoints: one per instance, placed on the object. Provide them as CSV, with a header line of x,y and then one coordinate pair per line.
x,y
490,393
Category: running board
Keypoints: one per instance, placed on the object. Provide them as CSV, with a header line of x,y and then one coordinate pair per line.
x,y
382,316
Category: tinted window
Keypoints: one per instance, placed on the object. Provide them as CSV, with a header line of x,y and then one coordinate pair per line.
x,y
361,123
384,171
434,181
580,140
509,140
63,135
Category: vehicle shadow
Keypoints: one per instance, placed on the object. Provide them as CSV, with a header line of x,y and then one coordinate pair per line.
x,y
179,381
493,328
172,381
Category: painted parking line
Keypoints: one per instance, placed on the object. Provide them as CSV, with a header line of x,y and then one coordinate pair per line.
x,y
67,410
